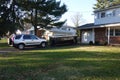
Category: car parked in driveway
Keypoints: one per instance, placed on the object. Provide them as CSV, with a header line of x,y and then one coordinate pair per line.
x,y
24,40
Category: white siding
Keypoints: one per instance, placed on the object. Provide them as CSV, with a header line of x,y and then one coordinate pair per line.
x,y
115,18
88,36
63,31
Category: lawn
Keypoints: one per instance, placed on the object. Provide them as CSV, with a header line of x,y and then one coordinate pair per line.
x,y
3,43
62,63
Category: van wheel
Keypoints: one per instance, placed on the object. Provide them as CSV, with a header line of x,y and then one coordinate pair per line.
x,y
43,44
21,46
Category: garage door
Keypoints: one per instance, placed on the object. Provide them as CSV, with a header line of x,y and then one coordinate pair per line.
x,y
87,36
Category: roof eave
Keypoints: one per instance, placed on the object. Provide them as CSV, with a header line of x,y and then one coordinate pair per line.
x,y
101,26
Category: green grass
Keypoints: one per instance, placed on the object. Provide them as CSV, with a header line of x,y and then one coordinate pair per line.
x,y
62,63
3,43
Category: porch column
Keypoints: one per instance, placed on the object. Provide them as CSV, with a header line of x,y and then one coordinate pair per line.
x,y
93,30
108,35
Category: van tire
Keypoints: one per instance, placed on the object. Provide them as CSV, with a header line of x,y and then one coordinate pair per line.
x,y
43,44
21,46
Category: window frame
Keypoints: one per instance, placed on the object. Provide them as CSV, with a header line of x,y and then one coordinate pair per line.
x,y
117,32
113,32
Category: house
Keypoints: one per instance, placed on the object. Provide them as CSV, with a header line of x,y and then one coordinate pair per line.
x,y
31,31
105,29
64,31
56,35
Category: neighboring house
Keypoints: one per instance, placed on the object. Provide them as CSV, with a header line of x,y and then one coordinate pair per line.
x,y
105,29
64,31
64,34
31,30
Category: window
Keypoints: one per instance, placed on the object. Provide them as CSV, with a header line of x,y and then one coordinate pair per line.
x,y
18,37
26,37
98,16
114,32
111,32
33,37
114,12
109,13
117,32
102,14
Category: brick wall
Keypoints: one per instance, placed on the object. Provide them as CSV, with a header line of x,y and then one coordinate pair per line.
x,y
115,40
100,35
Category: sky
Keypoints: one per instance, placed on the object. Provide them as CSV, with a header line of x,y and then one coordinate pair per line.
x,y
83,7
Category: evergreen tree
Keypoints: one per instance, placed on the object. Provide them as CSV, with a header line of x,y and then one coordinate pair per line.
x,y
43,13
8,17
115,2
102,4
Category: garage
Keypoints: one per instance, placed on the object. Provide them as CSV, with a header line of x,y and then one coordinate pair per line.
x,y
87,36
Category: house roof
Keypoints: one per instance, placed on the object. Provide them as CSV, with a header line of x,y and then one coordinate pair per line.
x,y
86,26
92,25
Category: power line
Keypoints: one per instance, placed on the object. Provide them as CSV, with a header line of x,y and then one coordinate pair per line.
x,y
80,11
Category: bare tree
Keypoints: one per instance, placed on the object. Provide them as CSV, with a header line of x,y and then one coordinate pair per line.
x,y
77,19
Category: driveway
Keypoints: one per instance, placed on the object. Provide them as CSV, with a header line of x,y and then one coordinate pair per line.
x,y
8,50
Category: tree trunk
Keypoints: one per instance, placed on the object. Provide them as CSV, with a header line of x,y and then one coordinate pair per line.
x,y
35,26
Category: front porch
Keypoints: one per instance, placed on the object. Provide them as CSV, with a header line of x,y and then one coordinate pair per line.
x,y
101,34
108,35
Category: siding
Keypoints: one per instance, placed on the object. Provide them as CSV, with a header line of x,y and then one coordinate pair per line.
x,y
108,20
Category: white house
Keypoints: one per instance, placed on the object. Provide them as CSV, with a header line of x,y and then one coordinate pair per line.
x,y
53,32
109,15
64,31
105,29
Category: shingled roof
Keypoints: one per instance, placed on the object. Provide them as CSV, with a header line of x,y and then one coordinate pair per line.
x,y
91,25
86,26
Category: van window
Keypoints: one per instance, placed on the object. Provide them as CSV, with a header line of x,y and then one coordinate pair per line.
x,y
26,37
18,37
